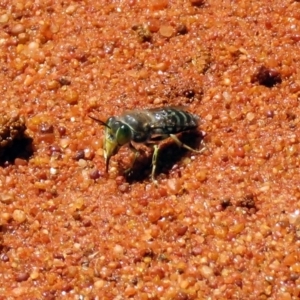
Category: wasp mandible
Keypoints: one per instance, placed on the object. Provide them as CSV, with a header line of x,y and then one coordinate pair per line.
x,y
148,127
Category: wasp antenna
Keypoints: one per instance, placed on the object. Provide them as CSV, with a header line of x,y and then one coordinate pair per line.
x,y
99,121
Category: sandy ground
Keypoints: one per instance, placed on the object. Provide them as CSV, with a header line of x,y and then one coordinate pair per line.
x,y
224,224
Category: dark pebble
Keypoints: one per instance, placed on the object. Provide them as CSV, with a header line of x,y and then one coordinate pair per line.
x,y
23,276
46,128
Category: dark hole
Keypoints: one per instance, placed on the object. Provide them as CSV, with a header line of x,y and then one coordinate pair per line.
x,y
19,148
266,77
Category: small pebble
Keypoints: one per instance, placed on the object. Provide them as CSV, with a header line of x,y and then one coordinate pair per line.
x,y
166,31
19,216
22,276
17,29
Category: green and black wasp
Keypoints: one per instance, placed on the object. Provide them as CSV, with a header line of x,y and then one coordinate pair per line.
x,y
149,127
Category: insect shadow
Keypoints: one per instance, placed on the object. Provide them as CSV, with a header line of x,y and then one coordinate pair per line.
x,y
19,148
169,154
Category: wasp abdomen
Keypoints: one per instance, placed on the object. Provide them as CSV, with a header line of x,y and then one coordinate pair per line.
x,y
172,120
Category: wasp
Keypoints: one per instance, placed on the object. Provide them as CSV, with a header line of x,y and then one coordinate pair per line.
x,y
148,127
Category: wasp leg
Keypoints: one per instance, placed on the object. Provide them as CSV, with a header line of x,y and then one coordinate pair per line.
x,y
154,161
181,144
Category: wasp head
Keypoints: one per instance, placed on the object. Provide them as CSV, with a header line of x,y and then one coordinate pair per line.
x,y
116,135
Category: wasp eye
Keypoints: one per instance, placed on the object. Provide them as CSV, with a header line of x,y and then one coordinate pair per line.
x,y
123,134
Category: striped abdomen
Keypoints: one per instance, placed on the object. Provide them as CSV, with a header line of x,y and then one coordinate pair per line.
x,y
172,120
